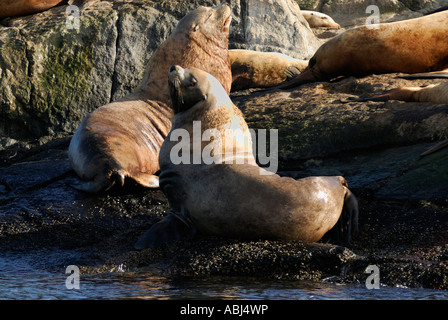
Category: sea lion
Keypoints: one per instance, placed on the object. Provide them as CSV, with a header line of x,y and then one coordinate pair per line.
x,y
319,20
11,8
436,93
232,196
409,46
254,69
123,138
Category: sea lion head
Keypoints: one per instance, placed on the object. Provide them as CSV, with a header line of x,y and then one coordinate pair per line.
x,y
208,21
190,86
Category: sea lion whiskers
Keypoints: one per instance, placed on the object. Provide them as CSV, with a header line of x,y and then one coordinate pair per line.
x,y
180,96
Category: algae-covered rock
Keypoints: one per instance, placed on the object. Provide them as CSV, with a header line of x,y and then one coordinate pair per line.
x,y
64,73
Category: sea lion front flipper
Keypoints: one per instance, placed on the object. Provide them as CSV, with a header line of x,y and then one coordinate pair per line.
x,y
174,227
291,73
99,183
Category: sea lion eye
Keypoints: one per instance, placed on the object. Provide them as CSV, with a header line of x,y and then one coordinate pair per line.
x,y
193,82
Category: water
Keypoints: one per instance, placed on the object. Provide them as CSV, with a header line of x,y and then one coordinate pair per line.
x,y
24,278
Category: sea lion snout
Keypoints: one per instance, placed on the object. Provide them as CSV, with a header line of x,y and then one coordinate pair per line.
x,y
223,10
176,73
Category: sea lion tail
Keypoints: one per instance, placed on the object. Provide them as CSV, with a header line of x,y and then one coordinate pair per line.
x,y
173,227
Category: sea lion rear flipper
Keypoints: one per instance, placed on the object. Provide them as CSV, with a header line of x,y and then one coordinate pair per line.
x,y
437,147
347,225
174,227
427,75
147,180
368,97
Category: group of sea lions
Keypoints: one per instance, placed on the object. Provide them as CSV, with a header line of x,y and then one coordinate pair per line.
x,y
189,79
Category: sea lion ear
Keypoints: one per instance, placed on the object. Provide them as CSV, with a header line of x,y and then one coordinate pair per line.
x,y
205,97
195,28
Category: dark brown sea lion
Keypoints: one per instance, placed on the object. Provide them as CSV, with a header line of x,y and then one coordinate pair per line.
x,y
122,139
232,196
409,46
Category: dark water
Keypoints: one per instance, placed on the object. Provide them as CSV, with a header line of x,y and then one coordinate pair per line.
x,y
25,278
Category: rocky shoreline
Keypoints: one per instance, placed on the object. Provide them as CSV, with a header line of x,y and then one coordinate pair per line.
x,y
376,146
403,214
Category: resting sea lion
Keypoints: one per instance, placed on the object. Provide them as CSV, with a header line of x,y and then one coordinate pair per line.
x,y
436,93
123,138
232,196
409,46
254,69
318,19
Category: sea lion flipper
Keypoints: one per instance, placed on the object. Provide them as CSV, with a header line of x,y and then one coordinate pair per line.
x,y
93,186
147,180
174,227
347,225
427,75
291,72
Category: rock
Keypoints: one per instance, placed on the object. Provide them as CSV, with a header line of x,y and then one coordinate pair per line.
x,y
291,37
52,76
66,74
313,122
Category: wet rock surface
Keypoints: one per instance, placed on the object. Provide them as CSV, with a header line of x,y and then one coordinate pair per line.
x,y
402,197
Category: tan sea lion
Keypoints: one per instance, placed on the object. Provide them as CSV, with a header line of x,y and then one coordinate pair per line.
x,y
409,46
436,93
232,196
254,69
11,8
123,138
319,20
